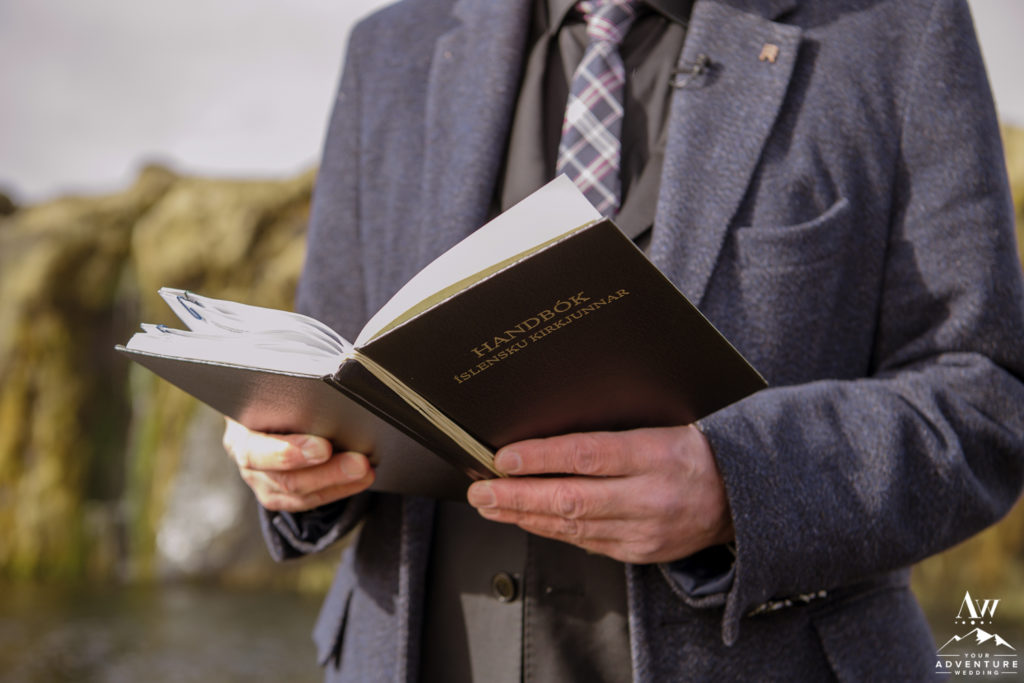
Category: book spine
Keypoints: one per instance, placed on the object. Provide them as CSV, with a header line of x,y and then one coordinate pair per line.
x,y
479,452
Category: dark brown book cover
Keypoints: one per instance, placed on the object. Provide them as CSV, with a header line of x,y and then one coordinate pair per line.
x,y
584,335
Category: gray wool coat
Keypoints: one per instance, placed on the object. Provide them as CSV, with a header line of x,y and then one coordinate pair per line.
x,y
841,214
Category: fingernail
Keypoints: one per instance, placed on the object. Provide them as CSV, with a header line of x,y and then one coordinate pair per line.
x,y
508,462
313,450
481,495
353,466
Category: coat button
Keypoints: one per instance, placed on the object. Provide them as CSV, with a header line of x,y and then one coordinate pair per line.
x,y
504,587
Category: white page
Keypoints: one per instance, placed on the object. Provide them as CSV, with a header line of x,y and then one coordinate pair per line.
x,y
553,210
221,317
260,351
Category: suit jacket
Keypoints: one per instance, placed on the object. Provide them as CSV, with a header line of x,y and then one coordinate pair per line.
x,y
839,210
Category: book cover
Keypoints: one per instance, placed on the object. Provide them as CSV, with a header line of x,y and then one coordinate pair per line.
x,y
584,335
569,328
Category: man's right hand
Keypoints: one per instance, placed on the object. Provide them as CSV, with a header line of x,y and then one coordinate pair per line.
x,y
295,472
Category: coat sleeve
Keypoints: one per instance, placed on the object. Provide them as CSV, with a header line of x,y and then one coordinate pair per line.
x,y
331,290
833,482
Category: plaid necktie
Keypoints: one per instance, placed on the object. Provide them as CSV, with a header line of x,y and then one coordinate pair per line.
x,y
589,150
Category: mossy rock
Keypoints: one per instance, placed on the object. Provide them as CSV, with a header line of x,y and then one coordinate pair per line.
x,y
90,446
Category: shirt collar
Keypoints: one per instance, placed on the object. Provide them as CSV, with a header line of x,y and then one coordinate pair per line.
x,y
676,10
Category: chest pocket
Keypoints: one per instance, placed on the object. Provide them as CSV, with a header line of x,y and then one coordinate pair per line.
x,y
821,240
799,300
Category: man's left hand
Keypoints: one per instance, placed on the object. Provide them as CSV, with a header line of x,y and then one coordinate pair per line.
x,y
645,495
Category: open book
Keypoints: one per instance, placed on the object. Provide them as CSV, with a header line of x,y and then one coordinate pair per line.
x,y
545,321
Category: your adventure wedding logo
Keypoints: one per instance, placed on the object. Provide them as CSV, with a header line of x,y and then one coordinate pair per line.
x,y
977,650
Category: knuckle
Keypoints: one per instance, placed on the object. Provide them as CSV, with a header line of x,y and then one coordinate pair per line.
x,y
271,453
568,501
281,458
514,498
571,529
314,499
664,502
287,482
585,455
689,468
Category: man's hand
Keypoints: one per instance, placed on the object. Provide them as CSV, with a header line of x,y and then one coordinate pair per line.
x,y
646,495
295,472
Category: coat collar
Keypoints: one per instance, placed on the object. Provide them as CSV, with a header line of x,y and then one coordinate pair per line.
x,y
768,9
718,126
675,10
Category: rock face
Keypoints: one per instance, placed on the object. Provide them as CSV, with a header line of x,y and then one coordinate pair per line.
x,y
108,472
63,410
7,205
1013,140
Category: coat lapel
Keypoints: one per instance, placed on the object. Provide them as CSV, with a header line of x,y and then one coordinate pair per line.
x,y
471,94
473,83
719,123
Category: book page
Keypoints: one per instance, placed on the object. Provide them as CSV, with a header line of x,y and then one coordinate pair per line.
x,y
553,210
273,352
221,331
206,315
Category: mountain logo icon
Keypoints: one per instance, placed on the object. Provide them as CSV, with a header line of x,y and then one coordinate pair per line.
x,y
978,637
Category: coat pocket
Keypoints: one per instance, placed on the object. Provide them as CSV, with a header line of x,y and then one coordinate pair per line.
x,y
821,239
800,300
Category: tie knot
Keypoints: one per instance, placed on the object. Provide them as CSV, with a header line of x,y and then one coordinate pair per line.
x,y
608,20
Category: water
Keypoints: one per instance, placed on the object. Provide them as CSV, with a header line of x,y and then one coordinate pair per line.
x,y
186,633
162,634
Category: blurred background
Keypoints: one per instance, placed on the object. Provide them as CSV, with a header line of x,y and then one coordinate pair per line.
x,y
151,144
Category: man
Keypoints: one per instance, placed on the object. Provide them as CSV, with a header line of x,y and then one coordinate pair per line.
x,y
828,186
